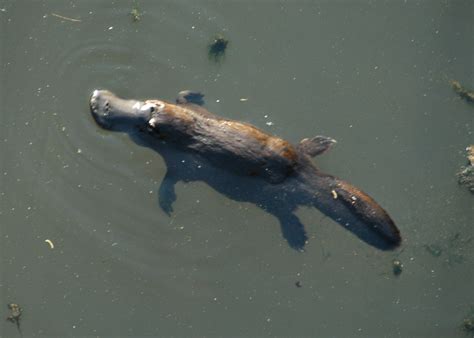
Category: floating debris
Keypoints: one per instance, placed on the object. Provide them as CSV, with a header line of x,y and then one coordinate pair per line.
x,y
468,322
470,155
334,194
466,174
397,267
135,14
217,48
15,315
465,94
51,245
65,17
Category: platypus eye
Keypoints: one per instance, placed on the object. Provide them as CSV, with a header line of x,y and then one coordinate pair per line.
x,y
148,107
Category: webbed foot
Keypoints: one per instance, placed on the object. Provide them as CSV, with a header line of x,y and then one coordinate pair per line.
x,y
167,194
189,96
316,145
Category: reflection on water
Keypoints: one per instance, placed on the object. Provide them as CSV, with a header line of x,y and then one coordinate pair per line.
x,y
372,74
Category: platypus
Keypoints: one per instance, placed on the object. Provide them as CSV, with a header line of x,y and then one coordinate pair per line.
x,y
245,163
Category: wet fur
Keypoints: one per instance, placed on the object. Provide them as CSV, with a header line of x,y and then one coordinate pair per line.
x,y
238,146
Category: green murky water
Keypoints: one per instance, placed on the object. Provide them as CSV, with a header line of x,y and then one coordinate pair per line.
x,y
372,74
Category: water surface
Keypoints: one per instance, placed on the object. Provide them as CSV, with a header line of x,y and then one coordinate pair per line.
x,y
372,74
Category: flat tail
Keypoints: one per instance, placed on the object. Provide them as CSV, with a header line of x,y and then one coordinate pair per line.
x,y
353,209
368,211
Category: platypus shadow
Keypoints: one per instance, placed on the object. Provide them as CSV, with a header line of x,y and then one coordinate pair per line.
x,y
281,200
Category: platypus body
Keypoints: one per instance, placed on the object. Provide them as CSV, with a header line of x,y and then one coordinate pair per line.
x,y
244,163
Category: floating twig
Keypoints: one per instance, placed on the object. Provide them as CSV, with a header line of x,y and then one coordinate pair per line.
x,y
65,18
464,93
51,245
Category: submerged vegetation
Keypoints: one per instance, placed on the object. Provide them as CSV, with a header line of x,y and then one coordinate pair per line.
x,y
466,174
434,250
135,13
452,249
217,48
468,322
15,315
464,93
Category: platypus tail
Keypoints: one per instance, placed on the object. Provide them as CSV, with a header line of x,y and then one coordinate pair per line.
x,y
353,209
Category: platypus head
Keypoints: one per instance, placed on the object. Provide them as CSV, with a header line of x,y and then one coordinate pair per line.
x,y
113,113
